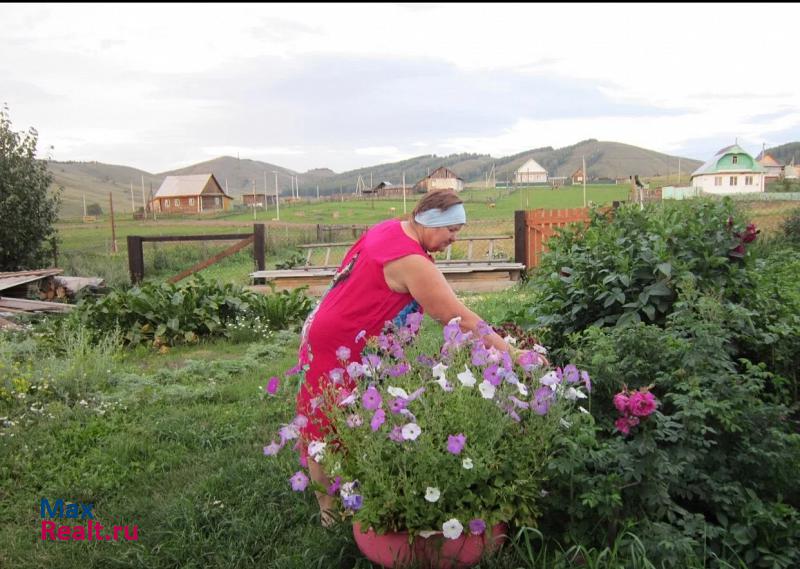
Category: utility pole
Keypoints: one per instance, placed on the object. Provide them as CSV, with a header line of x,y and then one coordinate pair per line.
x,y
265,190
254,200
133,204
584,180
277,197
679,171
144,203
404,193
113,229
84,204
317,192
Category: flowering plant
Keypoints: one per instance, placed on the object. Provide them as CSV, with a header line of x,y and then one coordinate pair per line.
x,y
633,406
441,435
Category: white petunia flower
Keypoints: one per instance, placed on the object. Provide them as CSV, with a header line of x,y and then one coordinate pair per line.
x,y
487,389
466,378
316,450
438,371
564,423
410,431
551,380
432,494
425,534
467,463
572,394
522,388
583,410
452,528
397,392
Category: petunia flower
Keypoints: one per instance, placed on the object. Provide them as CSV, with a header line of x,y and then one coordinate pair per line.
x,y
467,464
272,385
397,404
299,481
439,371
487,389
550,379
336,375
411,431
360,336
343,353
432,494
396,434
397,392
355,370
455,443
354,420
334,486
452,529
573,394
378,419
316,450
477,526
273,448
491,375
371,398
466,378
353,502
571,373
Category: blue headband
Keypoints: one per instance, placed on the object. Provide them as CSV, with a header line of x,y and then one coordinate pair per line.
x,y
453,215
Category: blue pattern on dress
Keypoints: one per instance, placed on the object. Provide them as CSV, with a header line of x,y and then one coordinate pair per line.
x,y
400,319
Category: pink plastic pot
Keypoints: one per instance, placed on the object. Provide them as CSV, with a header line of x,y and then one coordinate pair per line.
x,y
392,550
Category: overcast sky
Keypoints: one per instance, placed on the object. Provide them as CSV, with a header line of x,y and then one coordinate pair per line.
x,y
342,86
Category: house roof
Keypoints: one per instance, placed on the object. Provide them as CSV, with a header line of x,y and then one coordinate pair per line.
x,y
442,172
713,166
531,165
767,160
190,185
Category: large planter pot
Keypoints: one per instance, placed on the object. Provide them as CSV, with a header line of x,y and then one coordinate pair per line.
x,y
392,550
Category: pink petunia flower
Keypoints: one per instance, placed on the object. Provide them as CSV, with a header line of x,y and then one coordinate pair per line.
x,y
371,398
299,481
378,419
272,385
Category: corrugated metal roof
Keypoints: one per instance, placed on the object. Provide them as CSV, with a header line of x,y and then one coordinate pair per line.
x,y
10,280
710,167
190,185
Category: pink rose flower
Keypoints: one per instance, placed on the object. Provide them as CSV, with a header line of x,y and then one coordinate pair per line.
x,y
621,402
642,404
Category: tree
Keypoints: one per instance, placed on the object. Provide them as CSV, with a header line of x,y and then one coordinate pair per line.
x,y
94,209
27,209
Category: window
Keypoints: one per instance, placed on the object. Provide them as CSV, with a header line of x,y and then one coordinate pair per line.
x,y
748,180
735,159
177,202
734,180
191,201
166,202
717,180
217,201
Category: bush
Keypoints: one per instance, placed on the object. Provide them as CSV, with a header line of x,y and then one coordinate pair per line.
x,y
791,226
626,265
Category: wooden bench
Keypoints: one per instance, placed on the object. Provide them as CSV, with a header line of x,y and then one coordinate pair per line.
x,y
490,272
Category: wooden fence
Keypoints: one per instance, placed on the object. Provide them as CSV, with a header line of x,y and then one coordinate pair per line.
x,y
533,228
136,253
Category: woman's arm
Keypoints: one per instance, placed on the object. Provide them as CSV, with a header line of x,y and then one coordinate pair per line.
x,y
419,277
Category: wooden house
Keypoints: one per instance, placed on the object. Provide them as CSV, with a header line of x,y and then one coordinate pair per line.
x,y
530,173
440,179
197,193
577,176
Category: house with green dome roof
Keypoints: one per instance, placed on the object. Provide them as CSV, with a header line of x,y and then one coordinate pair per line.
x,y
730,171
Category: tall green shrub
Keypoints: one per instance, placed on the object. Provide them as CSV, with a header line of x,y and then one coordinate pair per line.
x,y
27,211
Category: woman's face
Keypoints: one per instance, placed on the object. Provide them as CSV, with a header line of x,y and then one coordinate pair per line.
x,y
439,238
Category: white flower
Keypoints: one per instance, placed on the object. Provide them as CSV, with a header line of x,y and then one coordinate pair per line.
x,y
564,423
466,378
444,384
397,392
539,349
349,400
438,371
452,528
550,379
487,389
432,494
316,450
510,340
582,409
572,394
467,463
410,431
425,534
522,388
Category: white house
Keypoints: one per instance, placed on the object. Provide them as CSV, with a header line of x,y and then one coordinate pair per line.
x,y
730,171
530,173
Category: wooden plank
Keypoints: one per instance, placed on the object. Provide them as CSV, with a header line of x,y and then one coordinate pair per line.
x,y
217,237
200,266
33,305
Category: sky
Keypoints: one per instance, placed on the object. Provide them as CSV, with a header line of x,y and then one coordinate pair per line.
x,y
344,86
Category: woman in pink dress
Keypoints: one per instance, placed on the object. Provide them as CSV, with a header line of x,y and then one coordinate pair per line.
x,y
387,274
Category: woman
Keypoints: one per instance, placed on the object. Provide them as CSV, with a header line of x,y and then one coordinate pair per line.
x,y
387,274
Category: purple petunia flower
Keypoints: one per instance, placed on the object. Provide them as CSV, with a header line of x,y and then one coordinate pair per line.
x,y
360,336
414,320
343,353
415,394
491,375
397,404
479,355
272,385
426,360
542,398
294,370
396,434
354,421
334,487
272,448
378,419
353,502
299,481
586,381
371,398
399,369
571,373
455,443
477,526
355,370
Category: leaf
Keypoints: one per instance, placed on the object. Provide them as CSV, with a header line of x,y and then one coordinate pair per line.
x,y
659,289
665,269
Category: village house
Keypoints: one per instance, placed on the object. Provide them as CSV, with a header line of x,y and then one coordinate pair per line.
x,y
387,190
730,171
530,173
440,179
258,200
773,170
577,177
196,193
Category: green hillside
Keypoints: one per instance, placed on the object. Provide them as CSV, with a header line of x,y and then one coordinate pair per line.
x,y
604,161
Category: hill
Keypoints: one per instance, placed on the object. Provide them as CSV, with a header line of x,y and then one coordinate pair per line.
x,y
786,153
604,160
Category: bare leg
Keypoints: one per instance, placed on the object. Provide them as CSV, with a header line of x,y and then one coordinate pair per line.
x,y
326,503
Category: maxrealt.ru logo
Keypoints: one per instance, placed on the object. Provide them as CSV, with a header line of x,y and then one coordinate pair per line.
x,y
78,511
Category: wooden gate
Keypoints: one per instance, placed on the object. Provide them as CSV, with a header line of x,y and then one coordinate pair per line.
x,y
534,227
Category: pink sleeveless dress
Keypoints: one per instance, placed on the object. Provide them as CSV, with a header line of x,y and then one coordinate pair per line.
x,y
355,307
